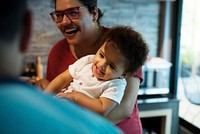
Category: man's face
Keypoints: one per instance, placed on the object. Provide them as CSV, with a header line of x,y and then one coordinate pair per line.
x,y
78,29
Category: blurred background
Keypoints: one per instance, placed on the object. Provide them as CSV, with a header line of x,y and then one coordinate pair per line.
x,y
171,74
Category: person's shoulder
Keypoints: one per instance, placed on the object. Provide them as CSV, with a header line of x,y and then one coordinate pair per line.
x,y
87,59
118,81
60,47
139,74
60,44
27,105
83,63
106,28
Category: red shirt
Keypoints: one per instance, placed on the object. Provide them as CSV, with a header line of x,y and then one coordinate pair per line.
x,y
60,57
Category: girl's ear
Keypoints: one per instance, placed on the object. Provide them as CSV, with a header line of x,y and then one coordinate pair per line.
x,y
125,75
95,14
26,31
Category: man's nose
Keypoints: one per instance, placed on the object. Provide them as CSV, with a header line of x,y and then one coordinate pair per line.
x,y
66,19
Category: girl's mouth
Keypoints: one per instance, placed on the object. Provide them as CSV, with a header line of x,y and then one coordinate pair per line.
x,y
98,71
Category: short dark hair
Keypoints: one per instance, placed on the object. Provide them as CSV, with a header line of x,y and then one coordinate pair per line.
x,y
131,44
11,13
90,4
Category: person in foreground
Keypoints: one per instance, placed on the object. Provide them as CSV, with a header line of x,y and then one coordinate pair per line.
x,y
79,22
98,81
23,108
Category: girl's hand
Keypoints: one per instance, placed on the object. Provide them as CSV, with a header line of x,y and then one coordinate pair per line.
x,y
43,83
69,95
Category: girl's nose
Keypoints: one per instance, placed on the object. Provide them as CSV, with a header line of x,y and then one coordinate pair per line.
x,y
103,68
103,65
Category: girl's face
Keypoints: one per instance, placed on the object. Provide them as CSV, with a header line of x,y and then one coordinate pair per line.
x,y
79,29
108,63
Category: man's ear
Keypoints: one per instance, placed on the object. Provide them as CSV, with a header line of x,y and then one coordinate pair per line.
x,y
95,14
26,31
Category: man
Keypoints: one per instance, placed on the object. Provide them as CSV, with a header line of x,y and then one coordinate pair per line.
x,y
23,108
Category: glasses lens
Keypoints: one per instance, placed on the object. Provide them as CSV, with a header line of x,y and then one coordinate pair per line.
x,y
57,16
72,13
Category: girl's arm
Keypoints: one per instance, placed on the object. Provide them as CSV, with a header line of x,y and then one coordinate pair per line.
x,y
125,109
102,105
60,82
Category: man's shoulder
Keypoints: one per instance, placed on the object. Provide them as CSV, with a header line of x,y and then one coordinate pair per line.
x,y
24,104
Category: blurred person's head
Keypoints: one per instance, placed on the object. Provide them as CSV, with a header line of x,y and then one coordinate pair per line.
x,y
15,31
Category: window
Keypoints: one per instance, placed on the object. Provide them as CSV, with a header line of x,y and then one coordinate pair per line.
x,y
189,66
189,80
161,71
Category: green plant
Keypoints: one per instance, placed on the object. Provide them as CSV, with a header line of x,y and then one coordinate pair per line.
x,y
186,57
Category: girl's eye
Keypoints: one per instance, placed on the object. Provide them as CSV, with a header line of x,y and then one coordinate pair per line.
x,y
111,66
101,55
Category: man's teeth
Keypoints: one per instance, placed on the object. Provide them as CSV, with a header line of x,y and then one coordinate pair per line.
x,y
70,30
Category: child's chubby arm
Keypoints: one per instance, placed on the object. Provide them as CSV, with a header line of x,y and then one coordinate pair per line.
x,y
60,82
101,106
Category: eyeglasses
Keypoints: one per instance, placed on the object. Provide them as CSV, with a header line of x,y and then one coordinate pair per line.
x,y
71,13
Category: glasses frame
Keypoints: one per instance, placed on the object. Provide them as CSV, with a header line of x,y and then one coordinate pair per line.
x,y
65,12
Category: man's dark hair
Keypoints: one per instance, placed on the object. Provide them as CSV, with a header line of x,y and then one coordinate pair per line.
x,y
131,44
11,13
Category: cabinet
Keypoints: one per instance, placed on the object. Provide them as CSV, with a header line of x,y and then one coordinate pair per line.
x,y
159,115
